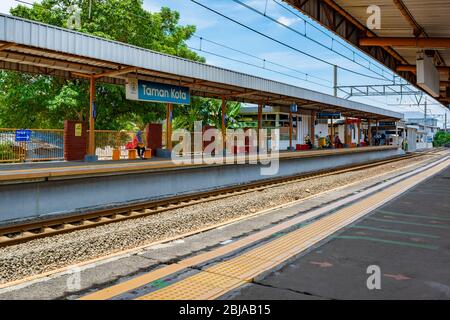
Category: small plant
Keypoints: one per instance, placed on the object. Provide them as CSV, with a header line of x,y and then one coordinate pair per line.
x,y
7,151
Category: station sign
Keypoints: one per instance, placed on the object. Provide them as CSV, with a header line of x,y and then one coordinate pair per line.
x,y
23,135
141,90
294,107
328,115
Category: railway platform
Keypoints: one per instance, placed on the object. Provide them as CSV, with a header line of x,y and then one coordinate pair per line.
x,y
42,190
406,240
294,251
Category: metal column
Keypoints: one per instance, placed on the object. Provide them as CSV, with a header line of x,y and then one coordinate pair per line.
x,y
169,109
224,133
91,150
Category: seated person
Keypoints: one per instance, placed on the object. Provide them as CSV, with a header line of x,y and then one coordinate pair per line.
x,y
366,140
138,144
338,143
308,142
328,143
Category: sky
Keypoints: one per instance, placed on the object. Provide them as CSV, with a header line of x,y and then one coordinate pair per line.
x,y
291,65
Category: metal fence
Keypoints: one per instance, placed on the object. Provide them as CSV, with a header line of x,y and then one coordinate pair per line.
x,y
39,145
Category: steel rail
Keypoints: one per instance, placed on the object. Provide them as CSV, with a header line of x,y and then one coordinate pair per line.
x,y
18,233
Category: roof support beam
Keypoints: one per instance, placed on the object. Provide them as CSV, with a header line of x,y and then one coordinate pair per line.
x,y
428,43
418,30
412,68
6,46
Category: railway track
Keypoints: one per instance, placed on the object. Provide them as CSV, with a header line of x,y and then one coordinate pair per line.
x,y
14,234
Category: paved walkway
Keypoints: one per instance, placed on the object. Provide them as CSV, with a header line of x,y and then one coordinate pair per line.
x,y
408,239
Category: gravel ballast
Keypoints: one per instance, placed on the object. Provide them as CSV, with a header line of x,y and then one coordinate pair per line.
x,y
46,254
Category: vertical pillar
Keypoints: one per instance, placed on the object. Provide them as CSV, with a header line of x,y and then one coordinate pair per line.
x,y
290,129
445,121
312,128
332,132
335,70
359,133
224,129
260,111
345,131
369,132
91,150
169,109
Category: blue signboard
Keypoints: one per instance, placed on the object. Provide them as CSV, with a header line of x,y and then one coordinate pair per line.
x,y
294,107
328,115
157,92
23,135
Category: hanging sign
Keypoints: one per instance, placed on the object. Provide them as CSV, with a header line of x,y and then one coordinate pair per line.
x,y
294,107
328,115
141,90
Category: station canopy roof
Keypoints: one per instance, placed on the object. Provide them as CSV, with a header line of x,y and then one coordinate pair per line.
x,y
406,27
33,47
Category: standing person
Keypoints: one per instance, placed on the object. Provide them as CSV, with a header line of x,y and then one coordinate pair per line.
x,y
138,143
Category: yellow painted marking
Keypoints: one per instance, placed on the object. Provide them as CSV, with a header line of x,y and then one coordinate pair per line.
x,y
160,164
160,273
248,265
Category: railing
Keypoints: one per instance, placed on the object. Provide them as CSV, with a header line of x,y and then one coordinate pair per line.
x,y
106,141
41,145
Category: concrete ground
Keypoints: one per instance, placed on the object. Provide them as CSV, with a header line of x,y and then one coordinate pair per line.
x,y
408,239
335,270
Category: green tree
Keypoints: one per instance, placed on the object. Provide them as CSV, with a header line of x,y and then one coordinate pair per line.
x,y
43,101
441,138
209,111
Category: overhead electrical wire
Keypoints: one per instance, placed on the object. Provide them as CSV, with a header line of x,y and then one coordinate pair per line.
x,y
258,66
264,61
355,53
281,42
307,76
304,35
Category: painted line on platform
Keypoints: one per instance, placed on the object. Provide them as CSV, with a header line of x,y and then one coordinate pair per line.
x,y
412,215
212,282
128,252
163,164
400,243
410,223
222,277
395,231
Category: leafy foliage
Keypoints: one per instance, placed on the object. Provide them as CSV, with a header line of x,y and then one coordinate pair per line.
x,y
209,111
43,101
441,138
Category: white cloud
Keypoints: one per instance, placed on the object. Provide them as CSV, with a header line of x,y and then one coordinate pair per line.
x,y
287,21
5,5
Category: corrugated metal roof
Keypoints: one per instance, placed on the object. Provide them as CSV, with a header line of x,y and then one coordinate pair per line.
x,y
51,42
433,16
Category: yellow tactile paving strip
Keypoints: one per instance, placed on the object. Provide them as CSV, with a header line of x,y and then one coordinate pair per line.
x,y
328,225
218,279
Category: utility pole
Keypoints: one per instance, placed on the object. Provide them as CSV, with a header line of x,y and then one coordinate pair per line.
x,y
425,114
445,121
425,122
335,80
